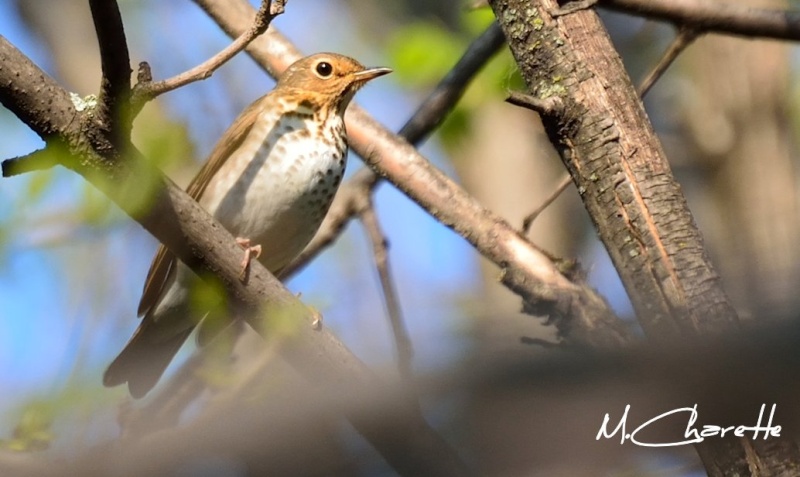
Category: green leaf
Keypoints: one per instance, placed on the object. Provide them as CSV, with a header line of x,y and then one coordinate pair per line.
x,y
38,184
475,21
33,432
423,52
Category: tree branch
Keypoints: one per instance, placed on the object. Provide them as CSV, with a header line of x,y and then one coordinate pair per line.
x,y
448,92
404,348
38,160
531,217
115,85
715,16
549,106
684,38
48,111
608,145
522,401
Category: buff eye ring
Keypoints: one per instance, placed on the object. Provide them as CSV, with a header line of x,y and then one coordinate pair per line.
x,y
324,69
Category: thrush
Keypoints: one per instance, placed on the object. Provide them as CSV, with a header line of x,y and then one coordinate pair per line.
x,y
270,181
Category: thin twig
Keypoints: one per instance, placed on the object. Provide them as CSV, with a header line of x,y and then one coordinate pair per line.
x,y
684,38
144,92
562,186
38,160
549,106
115,63
405,351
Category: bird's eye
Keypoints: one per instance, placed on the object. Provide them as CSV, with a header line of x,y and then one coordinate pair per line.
x,y
324,69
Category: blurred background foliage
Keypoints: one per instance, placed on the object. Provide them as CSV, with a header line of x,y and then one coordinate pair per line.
x,y
420,67
72,265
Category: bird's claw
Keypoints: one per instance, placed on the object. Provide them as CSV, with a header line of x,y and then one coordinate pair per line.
x,y
250,252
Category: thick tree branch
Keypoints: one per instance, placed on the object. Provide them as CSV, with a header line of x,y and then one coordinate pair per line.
x,y
48,111
615,159
207,248
580,315
715,16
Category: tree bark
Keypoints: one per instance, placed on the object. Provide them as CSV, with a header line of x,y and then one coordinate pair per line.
x,y
607,143
594,117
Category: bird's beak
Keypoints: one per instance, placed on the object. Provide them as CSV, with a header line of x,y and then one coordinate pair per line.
x,y
371,73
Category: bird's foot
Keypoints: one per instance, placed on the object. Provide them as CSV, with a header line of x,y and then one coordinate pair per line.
x,y
250,252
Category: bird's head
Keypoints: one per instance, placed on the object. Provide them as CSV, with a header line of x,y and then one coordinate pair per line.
x,y
328,79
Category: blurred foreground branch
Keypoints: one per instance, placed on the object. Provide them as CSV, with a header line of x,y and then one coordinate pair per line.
x,y
544,415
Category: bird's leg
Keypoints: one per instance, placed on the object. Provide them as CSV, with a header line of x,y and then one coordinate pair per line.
x,y
250,252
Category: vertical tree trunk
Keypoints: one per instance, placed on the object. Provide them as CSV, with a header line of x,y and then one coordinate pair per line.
x,y
593,115
609,147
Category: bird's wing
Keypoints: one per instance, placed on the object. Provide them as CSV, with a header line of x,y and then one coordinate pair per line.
x,y
162,268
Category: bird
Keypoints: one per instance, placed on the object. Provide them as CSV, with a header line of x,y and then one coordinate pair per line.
x,y
269,181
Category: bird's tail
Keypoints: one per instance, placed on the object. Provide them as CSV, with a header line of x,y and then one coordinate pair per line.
x,y
144,359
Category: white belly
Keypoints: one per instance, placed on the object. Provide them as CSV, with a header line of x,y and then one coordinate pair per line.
x,y
277,196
